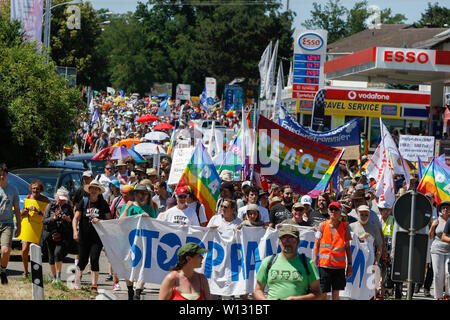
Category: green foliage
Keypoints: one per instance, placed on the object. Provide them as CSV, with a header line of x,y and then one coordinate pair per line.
x,y
435,16
185,44
77,48
341,22
36,108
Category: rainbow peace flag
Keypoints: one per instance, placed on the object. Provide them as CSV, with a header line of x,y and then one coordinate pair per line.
x,y
172,141
201,175
290,159
230,112
436,179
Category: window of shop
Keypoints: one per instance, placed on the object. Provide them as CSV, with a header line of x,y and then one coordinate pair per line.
x,y
306,121
396,127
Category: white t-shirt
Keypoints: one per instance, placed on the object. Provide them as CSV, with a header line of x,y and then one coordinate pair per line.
x,y
201,211
263,212
225,229
105,181
185,216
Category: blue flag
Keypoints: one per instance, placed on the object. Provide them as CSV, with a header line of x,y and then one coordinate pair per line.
x,y
94,117
203,100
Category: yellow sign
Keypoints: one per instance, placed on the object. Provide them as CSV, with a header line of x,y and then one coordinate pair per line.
x,y
354,108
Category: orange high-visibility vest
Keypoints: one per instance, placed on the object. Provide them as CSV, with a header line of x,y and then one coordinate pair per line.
x,y
332,250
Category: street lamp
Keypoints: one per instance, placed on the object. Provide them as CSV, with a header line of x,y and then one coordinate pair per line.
x,y
48,17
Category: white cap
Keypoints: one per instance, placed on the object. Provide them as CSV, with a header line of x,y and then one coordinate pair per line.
x,y
246,183
88,174
306,200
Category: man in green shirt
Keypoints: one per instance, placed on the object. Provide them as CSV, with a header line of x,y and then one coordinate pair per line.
x,y
139,205
291,277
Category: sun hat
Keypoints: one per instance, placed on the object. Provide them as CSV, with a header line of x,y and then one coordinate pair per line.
x,y
298,205
363,207
190,249
95,184
115,183
120,163
139,187
151,172
275,200
445,202
252,207
289,230
62,193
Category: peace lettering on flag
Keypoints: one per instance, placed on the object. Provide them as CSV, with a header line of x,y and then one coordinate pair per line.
x,y
290,159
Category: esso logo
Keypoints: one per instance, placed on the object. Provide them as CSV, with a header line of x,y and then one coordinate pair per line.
x,y
352,95
310,41
406,56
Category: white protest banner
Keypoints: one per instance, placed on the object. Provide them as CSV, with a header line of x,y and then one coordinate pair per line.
x,y
180,159
210,85
144,249
183,92
412,147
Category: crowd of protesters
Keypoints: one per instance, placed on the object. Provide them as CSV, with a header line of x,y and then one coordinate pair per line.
x,y
129,188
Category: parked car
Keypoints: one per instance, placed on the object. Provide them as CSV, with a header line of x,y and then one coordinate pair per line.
x,y
52,178
96,166
74,165
23,188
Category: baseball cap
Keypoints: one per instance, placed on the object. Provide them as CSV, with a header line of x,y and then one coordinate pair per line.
x,y
363,207
335,204
306,200
289,230
88,174
273,186
383,205
63,193
126,188
246,183
298,205
252,207
182,190
190,249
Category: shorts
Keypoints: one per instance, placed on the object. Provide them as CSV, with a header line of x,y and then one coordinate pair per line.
x,y
332,279
6,234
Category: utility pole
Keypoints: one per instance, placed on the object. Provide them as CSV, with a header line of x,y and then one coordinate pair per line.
x,y
287,5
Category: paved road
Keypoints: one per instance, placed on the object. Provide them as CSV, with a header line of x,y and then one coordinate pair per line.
x,y
15,270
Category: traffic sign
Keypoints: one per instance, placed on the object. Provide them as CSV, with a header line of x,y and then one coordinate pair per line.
x,y
422,213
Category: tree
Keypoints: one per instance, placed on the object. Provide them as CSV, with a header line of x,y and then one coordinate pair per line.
x,y
77,48
435,16
329,18
37,111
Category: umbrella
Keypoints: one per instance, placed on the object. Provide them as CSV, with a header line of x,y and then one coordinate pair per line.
x,y
148,149
163,95
118,153
127,142
156,135
163,126
147,118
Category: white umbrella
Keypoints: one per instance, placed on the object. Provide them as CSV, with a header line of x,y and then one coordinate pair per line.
x,y
156,136
147,149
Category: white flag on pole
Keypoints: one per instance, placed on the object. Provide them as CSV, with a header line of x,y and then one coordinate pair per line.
x,y
271,73
278,91
291,75
385,187
263,65
392,152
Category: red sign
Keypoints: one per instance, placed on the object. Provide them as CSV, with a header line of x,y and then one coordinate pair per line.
x,y
303,95
406,56
378,96
304,87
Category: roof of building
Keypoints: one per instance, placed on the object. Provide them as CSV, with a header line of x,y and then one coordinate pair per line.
x,y
388,35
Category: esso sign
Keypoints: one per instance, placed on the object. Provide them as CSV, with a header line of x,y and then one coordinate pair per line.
x,y
406,56
310,41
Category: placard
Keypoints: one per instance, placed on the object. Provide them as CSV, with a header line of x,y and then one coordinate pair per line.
x,y
411,147
180,159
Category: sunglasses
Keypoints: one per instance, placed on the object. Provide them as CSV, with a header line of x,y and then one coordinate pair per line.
x,y
109,169
299,209
225,207
182,196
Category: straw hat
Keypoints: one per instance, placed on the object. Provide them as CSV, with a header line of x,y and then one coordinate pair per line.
x,y
96,184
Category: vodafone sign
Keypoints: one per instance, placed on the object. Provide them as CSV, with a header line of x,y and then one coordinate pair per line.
x,y
412,59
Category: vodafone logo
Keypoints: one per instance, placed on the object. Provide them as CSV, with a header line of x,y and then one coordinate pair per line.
x,y
352,95
375,96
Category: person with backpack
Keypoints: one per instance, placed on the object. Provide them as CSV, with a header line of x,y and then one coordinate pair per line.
x,y
288,275
197,206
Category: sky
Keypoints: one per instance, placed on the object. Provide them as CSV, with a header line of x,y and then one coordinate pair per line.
x,y
412,9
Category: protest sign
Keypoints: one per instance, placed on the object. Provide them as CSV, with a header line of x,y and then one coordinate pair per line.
x,y
144,249
411,147
180,159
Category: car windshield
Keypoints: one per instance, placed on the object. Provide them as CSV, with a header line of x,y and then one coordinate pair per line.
x,y
22,186
48,181
97,166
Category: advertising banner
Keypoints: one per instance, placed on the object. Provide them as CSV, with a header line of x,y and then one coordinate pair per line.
x,y
30,14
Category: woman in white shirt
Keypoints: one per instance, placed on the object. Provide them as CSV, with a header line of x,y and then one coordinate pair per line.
x,y
227,221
